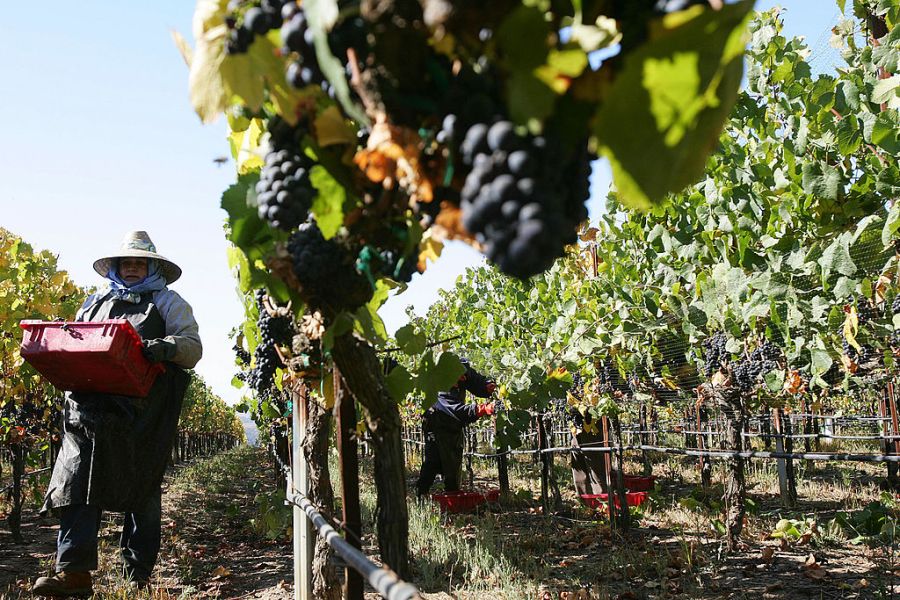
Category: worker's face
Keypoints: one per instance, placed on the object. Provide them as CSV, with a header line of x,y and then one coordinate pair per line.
x,y
132,270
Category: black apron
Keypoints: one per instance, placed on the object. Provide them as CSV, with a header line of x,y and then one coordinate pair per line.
x,y
115,448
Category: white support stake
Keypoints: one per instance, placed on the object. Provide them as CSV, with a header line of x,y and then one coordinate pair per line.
x,y
304,535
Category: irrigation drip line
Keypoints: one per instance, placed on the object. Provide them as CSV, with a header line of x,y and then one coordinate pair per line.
x,y
385,582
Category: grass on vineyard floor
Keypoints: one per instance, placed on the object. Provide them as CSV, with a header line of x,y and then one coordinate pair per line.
x,y
675,549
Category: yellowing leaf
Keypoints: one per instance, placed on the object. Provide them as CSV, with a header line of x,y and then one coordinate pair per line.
x,y
207,90
332,129
429,249
851,328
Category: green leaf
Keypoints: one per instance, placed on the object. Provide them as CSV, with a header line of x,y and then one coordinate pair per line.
x,y
891,224
410,341
666,108
245,228
399,383
885,90
820,361
328,207
523,38
821,180
529,98
836,258
435,377
885,131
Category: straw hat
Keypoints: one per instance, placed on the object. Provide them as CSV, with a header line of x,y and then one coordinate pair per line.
x,y
138,244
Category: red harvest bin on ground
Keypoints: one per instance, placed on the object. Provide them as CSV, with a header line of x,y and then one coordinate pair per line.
x,y
103,356
601,501
458,502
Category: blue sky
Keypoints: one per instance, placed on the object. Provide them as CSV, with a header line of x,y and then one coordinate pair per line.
x,y
101,139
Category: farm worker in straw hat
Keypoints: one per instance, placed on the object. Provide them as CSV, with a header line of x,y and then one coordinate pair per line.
x,y
443,424
115,448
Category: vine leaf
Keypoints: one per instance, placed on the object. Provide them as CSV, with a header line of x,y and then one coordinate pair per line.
x,y
328,207
331,128
436,376
665,110
410,341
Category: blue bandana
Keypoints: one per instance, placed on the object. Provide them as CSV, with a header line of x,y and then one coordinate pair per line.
x,y
153,282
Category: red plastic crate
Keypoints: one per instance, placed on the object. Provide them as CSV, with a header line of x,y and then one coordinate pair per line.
x,y
102,356
459,502
601,502
637,483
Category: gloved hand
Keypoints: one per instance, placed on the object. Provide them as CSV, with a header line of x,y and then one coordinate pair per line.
x,y
159,350
485,409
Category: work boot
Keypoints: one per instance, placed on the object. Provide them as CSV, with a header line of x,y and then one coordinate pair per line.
x,y
64,585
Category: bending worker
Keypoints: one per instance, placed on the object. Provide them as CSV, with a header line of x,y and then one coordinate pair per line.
x,y
115,448
443,425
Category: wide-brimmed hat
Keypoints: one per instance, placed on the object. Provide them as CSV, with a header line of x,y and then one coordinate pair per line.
x,y
138,244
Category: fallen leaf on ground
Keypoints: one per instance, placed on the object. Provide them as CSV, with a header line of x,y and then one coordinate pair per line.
x,y
221,571
767,554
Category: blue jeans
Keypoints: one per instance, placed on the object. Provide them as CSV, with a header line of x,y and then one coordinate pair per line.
x,y
76,547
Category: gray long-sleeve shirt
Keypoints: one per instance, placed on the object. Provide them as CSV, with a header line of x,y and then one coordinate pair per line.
x,y
181,327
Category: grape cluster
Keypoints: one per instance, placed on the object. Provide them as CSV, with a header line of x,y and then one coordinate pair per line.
x,y
521,199
746,373
273,331
610,378
298,37
242,355
258,19
577,387
865,311
325,270
714,353
284,193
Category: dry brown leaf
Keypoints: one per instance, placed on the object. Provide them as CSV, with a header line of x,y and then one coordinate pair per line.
x,y
817,573
767,554
221,571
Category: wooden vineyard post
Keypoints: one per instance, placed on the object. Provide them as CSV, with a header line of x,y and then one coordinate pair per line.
x,y
788,426
705,464
807,427
304,536
607,473
783,482
619,471
545,463
349,459
502,466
